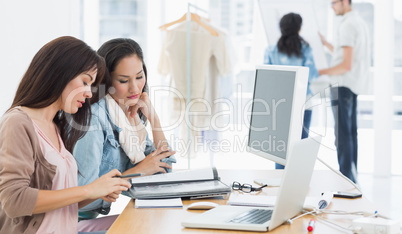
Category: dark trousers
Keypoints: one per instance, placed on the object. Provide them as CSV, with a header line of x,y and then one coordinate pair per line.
x,y
305,131
344,107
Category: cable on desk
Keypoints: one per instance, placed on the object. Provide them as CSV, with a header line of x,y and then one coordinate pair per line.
x,y
317,212
342,212
290,221
363,213
332,223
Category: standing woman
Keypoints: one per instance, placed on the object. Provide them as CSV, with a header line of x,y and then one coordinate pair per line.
x,y
117,137
50,112
293,50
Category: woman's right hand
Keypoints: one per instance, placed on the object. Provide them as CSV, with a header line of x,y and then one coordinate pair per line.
x,y
323,40
152,163
108,187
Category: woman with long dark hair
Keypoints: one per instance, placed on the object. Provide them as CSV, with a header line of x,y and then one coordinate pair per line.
x,y
50,112
117,137
293,50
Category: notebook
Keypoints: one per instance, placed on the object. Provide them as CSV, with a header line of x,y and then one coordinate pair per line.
x,y
193,184
292,193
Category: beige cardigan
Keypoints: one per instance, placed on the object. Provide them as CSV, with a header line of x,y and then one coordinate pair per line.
x,y
23,171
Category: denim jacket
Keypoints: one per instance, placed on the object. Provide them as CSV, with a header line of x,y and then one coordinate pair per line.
x,y
274,57
99,152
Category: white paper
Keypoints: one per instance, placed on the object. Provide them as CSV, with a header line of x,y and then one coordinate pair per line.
x,y
159,203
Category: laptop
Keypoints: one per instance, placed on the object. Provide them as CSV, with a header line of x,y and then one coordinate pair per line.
x,y
290,199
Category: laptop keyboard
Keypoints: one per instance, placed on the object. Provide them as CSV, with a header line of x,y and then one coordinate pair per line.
x,y
254,216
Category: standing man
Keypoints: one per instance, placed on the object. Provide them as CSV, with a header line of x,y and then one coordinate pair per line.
x,y
349,77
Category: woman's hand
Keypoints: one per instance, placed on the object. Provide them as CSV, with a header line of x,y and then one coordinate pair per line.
x,y
145,106
108,187
323,40
111,197
152,163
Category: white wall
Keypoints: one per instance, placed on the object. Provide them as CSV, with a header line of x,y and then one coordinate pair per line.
x,y
25,26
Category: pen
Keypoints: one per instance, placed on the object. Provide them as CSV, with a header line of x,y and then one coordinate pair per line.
x,y
311,225
130,175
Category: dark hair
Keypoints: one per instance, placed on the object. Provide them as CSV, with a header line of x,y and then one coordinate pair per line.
x,y
52,68
290,42
114,51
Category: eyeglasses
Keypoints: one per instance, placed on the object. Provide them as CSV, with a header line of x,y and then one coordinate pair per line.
x,y
247,188
335,2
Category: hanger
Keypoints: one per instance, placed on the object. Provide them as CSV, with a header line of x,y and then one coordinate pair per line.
x,y
194,17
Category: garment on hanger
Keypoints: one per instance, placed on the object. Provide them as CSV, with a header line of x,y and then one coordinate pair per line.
x,y
195,18
209,60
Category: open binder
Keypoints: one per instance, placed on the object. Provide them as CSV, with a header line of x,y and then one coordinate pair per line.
x,y
196,183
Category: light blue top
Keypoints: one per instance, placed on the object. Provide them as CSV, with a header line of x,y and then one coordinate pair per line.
x,y
99,152
274,57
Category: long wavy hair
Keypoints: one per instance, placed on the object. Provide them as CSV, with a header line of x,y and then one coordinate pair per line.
x,y
113,51
291,42
52,68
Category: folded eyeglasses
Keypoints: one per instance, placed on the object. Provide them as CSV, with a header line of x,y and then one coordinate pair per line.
x,y
247,188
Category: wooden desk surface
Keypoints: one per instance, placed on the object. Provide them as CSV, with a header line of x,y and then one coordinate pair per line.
x,y
168,220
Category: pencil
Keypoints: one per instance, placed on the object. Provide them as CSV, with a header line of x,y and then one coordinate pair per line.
x,y
130,175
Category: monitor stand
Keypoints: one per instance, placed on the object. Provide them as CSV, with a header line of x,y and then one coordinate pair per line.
x,y
271,182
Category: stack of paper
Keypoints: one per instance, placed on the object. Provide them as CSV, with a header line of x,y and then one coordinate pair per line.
x,y
159,203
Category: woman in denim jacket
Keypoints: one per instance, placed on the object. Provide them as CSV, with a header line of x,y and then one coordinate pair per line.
x,y
117,137
293,50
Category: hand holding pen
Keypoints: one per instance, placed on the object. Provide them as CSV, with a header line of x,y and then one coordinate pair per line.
x,y
107,187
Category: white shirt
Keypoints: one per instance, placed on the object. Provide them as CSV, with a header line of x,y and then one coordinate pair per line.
x,y
353,32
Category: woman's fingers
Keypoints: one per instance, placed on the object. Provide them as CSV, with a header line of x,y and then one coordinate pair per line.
x,y
113,173
113,196
163,150
134,110
157,151
108,184
166,165
124,184
109,199
165,154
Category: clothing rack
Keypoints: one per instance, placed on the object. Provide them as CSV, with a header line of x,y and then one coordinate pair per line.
x,y
188,99
188,17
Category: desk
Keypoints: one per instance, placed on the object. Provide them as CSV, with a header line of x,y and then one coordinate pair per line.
x,y
168,220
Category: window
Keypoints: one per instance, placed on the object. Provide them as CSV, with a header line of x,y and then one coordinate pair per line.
x,y
398,33
122,18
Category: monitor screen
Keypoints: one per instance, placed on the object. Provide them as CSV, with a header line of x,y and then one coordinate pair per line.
x,y
277,110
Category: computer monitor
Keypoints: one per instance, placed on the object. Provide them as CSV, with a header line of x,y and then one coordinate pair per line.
x,y
277,113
